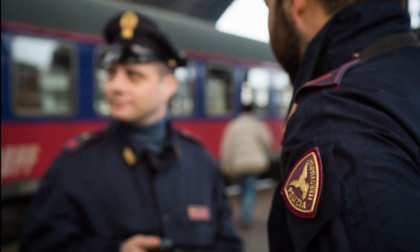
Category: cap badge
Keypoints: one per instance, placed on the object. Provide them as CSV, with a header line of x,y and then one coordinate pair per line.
x,y
303,185
128,22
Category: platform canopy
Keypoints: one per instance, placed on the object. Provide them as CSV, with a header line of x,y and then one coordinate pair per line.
x,y
209,10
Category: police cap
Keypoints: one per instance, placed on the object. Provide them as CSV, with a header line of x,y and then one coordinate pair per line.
x,y
134,38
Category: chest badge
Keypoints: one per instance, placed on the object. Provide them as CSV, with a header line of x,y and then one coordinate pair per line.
x,y
198,213
303,185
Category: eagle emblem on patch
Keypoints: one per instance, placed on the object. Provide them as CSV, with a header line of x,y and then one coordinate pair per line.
x,y
302,188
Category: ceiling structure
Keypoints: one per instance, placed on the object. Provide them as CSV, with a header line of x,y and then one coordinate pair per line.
x,y
209,10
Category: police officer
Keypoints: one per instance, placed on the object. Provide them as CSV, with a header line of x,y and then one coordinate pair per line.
x,y
351,146
138,185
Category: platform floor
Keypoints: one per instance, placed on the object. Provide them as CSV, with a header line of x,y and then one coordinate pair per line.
x,y
254,237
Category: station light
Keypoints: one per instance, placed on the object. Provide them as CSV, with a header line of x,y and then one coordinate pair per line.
x,y
414,10
249,19
245,18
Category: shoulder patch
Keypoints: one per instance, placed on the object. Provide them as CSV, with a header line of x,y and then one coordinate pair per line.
x,y
80,141
303,185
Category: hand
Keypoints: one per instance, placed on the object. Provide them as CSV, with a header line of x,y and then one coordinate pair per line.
x,y
140,243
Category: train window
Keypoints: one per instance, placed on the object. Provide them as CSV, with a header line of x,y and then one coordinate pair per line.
x,y
218,91
100,105
255,89
283,92
182,103
43,77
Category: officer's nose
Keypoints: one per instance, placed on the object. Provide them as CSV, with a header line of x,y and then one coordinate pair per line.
x,y
116,80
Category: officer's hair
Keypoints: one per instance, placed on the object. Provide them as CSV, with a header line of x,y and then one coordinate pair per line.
x,y
163,69
333,6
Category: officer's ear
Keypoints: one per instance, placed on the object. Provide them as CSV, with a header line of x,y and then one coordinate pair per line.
x,y
296,8
170,85
308,16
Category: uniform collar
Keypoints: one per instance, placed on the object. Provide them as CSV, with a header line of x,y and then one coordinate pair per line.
x,y
169,151
349,31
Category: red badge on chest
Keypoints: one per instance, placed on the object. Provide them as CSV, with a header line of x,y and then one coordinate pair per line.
x,y
198,213
303,185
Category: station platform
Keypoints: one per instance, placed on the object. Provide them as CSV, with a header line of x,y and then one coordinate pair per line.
x,y
254,236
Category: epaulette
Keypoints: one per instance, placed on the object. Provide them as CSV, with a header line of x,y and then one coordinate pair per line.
x,y
329,79
188,135
79,142
332,78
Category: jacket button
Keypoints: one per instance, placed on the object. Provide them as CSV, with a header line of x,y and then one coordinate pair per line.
x,y
165,217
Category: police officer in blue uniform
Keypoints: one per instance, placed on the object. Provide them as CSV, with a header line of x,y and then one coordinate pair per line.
x,y
351,148
138,185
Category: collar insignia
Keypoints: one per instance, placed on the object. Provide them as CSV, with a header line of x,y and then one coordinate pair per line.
x,y
129,156
85,136
292,111
303,185
128,23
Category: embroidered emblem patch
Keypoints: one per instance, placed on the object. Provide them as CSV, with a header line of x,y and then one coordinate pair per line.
x,y
303,185
198,213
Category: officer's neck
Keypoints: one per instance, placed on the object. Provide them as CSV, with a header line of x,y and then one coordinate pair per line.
x,y
150,136
152,118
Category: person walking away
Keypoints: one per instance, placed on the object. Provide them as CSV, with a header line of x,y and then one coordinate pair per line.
x,y
245,155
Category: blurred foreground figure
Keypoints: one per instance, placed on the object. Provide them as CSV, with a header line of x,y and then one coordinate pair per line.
x,y
244,151
351,147
138,185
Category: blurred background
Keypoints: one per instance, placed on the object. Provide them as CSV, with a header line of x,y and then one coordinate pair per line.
x,y
52,87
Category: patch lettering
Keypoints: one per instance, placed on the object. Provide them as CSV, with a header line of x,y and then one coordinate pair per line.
x,y
302,188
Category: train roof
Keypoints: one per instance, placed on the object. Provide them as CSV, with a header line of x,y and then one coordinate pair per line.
x,y
90,16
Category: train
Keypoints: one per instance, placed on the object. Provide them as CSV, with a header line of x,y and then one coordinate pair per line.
x,y
52,85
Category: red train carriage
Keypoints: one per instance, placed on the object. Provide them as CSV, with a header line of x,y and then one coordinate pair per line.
x,y
52,87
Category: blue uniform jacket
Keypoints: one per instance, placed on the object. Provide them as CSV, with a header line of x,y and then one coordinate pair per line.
x,y
351,149
101,191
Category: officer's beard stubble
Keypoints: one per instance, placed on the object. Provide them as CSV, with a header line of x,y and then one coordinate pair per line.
x,y
285,43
